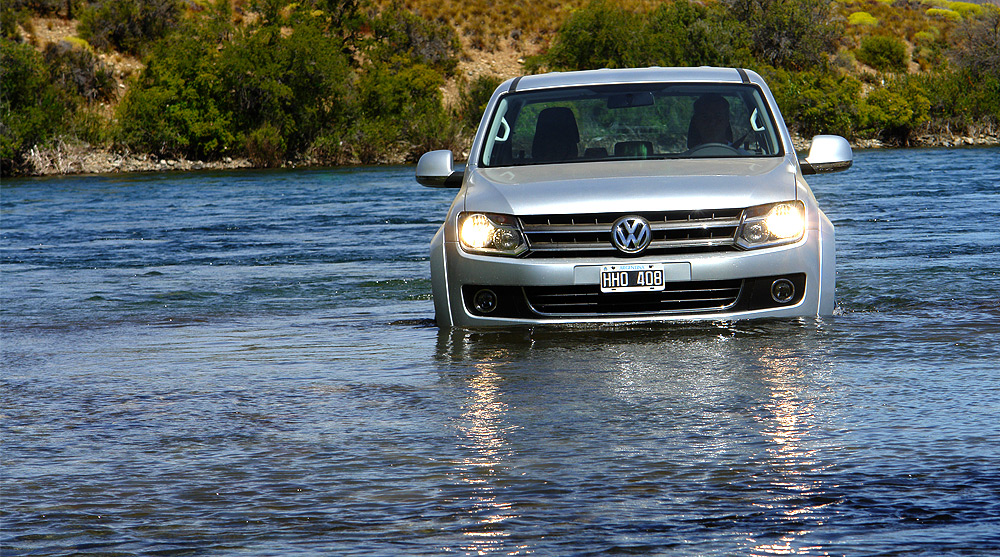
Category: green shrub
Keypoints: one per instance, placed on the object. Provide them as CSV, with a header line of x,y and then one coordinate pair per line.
x,y
294,81
164,117
962,99
11,16
128,25
174,106
781,33
438,130
399,32
895,111
885,54
283,86
329,148
44,8
792,34
680,33
397,106
32,109
265,146
816,102
202,98
601,35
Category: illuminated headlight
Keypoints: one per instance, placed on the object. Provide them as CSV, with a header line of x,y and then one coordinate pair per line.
x,y
490,233
773,224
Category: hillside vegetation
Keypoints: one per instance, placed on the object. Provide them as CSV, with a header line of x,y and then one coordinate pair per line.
x,y
357,81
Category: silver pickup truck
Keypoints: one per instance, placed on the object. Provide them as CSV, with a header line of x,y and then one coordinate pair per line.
x,y
629,195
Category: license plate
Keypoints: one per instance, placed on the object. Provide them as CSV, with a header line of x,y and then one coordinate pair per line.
x,y
632,278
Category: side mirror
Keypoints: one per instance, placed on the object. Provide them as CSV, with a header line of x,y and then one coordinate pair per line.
x,y
828,153
436,169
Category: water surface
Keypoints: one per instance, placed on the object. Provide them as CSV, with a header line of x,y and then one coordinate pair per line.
x,y
246,363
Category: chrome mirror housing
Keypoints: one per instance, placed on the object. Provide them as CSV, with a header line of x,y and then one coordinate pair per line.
x,y
436,169
828,153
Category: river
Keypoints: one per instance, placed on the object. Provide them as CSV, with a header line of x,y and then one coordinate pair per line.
x,y
225,363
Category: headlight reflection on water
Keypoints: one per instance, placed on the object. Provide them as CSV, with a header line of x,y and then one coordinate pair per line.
x,y
789,424
748,411
484,427
730,422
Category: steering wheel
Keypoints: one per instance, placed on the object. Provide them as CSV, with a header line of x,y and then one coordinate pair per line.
x,y
711,149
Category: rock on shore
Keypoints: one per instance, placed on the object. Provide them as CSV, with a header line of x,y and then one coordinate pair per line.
x,y
64,158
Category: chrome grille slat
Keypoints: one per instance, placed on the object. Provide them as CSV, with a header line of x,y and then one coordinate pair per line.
x,y
673,232
694,224
568,228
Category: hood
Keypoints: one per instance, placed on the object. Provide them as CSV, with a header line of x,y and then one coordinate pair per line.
x,y
630,186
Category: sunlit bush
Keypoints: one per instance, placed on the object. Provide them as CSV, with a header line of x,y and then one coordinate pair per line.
x,y
944,13
967,9
862,18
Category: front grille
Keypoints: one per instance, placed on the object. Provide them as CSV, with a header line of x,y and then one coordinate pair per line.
x,y
682,297
590,234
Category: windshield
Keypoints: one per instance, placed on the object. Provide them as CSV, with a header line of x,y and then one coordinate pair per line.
x,y
643,121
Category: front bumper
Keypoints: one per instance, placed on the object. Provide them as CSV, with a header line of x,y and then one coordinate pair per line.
x,y
727,285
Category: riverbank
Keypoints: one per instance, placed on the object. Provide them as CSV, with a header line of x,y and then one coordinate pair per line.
x,y
64,158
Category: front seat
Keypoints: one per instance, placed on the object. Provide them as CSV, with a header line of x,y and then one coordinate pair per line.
x,y
556,135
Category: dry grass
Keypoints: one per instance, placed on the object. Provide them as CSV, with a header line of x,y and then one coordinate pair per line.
x,y
496,24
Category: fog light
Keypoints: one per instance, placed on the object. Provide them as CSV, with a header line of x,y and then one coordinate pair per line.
x,y
485,301
782,291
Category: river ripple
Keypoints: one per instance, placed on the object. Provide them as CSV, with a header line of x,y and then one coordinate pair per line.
x,y
245,363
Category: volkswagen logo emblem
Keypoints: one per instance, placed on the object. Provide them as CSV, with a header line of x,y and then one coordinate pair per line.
x,y
631,234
